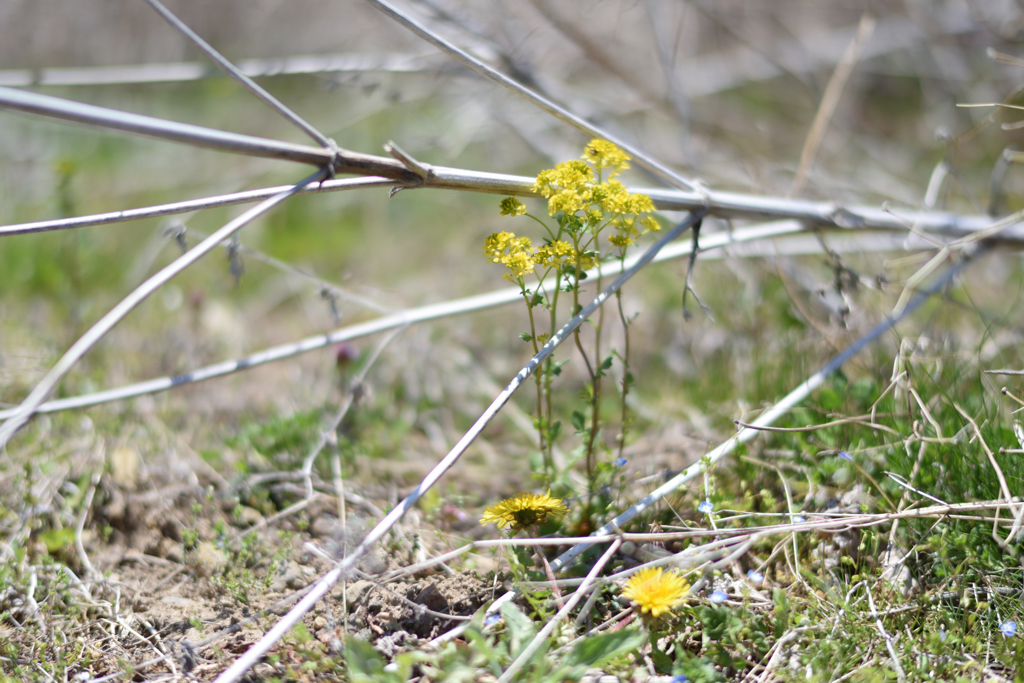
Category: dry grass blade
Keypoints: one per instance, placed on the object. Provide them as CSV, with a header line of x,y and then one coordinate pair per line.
x,y
830,100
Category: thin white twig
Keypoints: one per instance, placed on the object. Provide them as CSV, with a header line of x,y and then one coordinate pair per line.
x,y
335,159
239,76
656,167
589,582
848,217
901,675
172,72
71,357
416,315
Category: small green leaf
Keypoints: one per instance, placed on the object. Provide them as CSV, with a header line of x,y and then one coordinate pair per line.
x,y
579,422
364,662
526,336
521,628
607,363
556,429
781,601
56,540
594,650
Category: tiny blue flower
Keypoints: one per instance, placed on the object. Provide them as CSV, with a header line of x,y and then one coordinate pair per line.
x,y
706,507
797,519
942,634
755,576
1009,628
680,678
718,597
619,462
845,456
492,619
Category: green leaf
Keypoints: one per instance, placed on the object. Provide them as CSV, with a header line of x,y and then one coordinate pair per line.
x,y
781,601
595,650
556,429
579,421
607,363
365,664
526,336
521,628
56,540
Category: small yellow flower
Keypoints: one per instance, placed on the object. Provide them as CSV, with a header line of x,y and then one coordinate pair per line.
x,y
587,261
553,254
602,154
523,511
651,223
569,201
519,264
515,253
656,591
618,240
510,206
639,203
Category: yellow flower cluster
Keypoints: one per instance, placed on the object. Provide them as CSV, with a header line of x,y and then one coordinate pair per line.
x,y
656,591
510,206
572,188
515,253
602,154
518,256
523,511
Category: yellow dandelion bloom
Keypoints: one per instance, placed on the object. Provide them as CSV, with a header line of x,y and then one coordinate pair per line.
x,y
523,511
656,591
602,154
510,206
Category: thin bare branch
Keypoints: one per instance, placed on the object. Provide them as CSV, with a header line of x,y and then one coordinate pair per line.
x,y
71,357
237,74
656,167
417,315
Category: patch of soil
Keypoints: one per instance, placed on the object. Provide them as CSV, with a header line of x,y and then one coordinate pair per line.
x,y
190,583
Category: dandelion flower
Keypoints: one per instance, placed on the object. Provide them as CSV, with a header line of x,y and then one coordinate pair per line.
x,y
523,511
656,591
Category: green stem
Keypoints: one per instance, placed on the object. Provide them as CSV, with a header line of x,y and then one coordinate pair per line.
x,y
625,372
541,435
